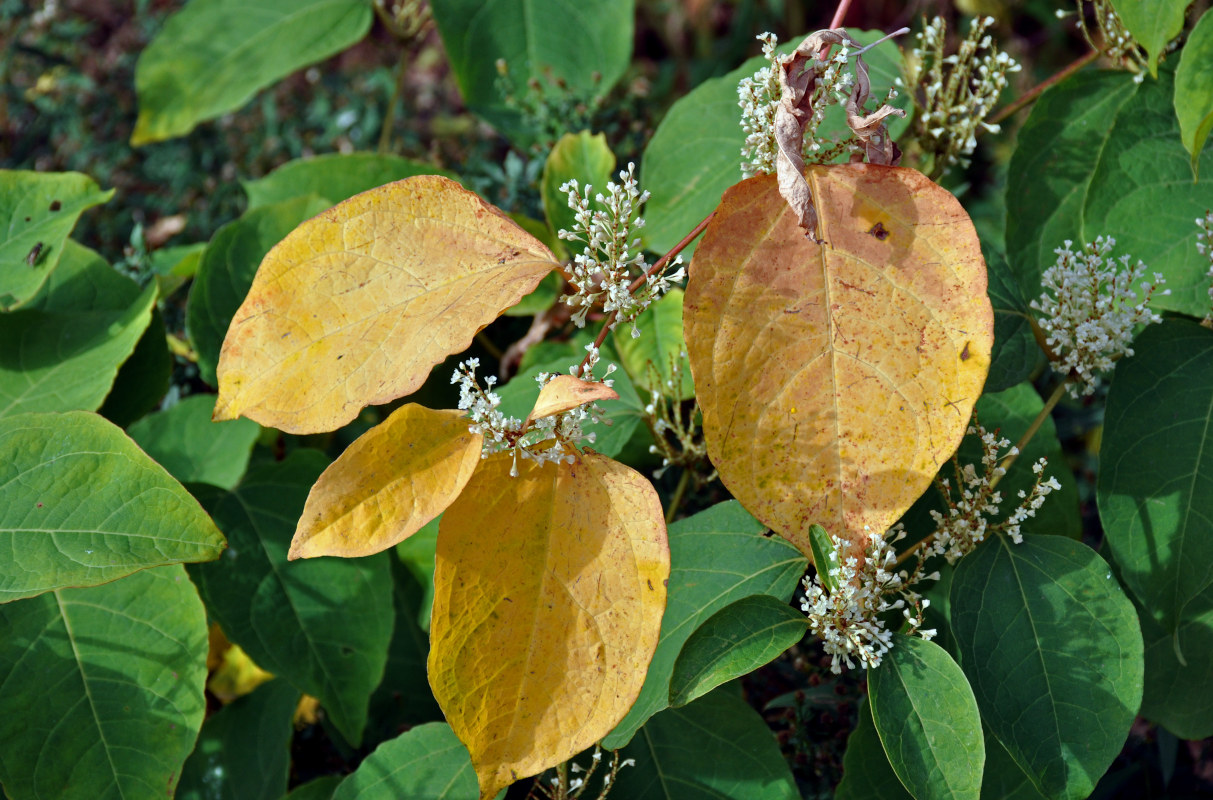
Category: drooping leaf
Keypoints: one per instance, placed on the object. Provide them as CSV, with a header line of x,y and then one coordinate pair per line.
x,y
548,597
427,763
565,392
103,688
1155,488
733,642
37,212
226,271
927,720
1053,651
717,748
1015,353
717,557
866,771
81,505
661,344
1194,88
143,379
212,56
582,157
355,306
323,624
243,750
389,483
1179,694
1153,23
192,448
335,177
835,379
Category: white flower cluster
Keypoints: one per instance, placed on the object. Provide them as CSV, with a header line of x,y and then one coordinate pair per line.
x,y
847,619
1089,309
966,524
831,88
603,271
758,97
958,91
1204,246
1115,40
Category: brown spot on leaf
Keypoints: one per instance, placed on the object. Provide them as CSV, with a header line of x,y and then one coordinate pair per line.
x,y
879,231
964,354
56,205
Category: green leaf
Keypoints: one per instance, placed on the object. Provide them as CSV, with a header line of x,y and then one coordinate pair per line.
x,y
1053,651
81,505
1179,694
1194,89
576,156
825,556
1153,23
1155,490
214,55
323,624
103,688
1101,155
927,719
1015,353
542,297
588,54
661,344
174,266
866,771
192,448
416,553
696,152
227,268
63,351
427,763
335,177
717,557
717,748
143,379
734,641
243,751
319,789
1003,779
37,212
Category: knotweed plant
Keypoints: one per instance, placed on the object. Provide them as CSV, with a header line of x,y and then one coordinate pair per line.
x,y
1105,32
1204,246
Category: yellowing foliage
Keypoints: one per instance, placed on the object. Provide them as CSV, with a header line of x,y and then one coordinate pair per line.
x,y
565,392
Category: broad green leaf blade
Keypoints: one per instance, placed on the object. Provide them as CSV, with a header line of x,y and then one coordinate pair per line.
x,y
335,177
717,748
192,448
696,152
143,379
1015,354
37,212
866,771
1179,694
1003,779
227,268
323,624
103,688
1053,651
582,157
1153,23
214,55
427,763
1155,489
243,751
81,505
1194,88
733,642
927,719
717,557
661,344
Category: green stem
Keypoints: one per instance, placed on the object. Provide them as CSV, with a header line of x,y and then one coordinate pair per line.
x,y
676,499
562,775
488,345
1050,404
389,116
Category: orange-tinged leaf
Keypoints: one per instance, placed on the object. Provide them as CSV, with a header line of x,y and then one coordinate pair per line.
x,y
836,378
356,305
389,483
549,590
565,392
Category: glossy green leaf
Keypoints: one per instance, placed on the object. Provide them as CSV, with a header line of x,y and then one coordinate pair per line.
x,y
37,212
1155,489
226,272
1102,156
103,688
1179,694
825,556
335,177
1194,88
927,719
243,751
582,157
1153,23
717,748
1003,779
427,763
143,379
323,624
1015,354
734,641
212,56
866,771
696,152
660,344
81,505
717,557
1053,651
192,448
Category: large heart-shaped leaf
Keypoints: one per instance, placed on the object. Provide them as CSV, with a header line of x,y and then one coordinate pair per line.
x,y
866,771
1179,693
835,378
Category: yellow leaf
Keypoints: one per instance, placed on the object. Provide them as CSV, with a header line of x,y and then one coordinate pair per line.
x,y
564,392
389,483
549,590
356,305
836,378
233,673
